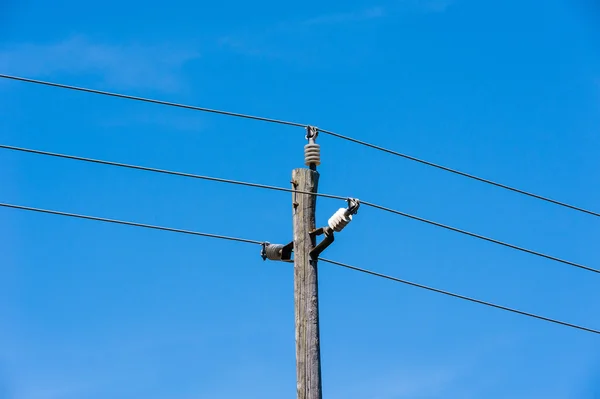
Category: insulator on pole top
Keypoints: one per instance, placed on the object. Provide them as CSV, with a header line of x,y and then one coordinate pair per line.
x,y
312,150
312,154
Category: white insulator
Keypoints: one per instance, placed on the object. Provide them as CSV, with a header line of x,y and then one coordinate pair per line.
x,y
339,220
312,154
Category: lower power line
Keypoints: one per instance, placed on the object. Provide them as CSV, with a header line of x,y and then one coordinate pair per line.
x,y
244,240
463,297
126,223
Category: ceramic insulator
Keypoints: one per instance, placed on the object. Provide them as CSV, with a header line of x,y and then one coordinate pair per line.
x,y
339,220
312,154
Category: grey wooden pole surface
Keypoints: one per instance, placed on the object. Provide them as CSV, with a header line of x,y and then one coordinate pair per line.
x,y
306,298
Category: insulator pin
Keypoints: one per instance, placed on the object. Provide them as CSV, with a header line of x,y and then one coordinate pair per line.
x,y
340,219
312,154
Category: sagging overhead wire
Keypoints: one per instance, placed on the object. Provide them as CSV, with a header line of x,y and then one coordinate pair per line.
x,y
480,237
150,100
328,132
167,172
463,297
248,241
458,172
126,223
290,190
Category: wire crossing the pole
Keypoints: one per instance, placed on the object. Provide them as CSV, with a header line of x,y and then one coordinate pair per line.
x,y
290,190
296,124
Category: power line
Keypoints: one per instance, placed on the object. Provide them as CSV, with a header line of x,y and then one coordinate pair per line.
x,y
167,172
329,132
458,172
153,101
244,240
481,237
123,222
466,298
276,188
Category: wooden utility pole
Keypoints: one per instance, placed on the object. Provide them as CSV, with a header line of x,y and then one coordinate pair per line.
x,y
306,297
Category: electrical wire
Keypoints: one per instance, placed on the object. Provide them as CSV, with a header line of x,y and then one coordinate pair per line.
x,y
324,131
276,188
458,172
463,297
167,172
153,101
244,240
479,236
123,222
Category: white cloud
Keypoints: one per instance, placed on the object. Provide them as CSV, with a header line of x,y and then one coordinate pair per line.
x,y
117,65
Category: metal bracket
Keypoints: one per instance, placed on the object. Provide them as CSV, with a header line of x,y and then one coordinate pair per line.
x,y
286,251
329,238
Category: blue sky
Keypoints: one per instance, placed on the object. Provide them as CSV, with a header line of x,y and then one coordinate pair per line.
x,y
507,90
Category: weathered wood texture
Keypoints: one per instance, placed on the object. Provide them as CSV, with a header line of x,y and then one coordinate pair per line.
x,y
306,298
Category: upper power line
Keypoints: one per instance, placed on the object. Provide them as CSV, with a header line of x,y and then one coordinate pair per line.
x,y
289,123
248,241
150,100
458,172
290,190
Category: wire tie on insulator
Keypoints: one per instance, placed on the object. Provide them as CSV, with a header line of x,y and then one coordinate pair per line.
x,y
353,205
311,133
263,250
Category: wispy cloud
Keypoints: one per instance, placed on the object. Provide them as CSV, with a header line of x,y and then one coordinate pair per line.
x,y
345,17
252,45
125,66
285,40
437,5
427,6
